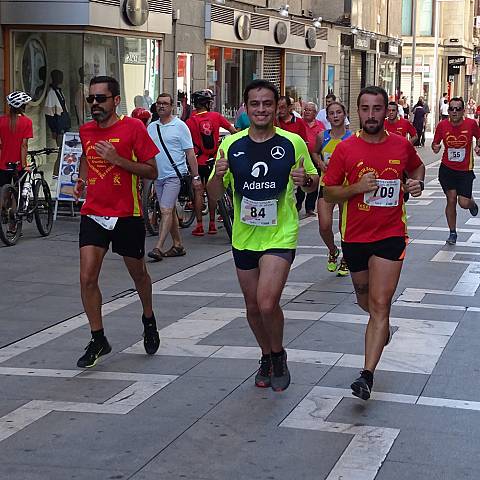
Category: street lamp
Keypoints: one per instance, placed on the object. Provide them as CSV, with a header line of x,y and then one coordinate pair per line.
x,y
283,10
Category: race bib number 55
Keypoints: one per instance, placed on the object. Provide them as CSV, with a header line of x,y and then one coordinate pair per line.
x,y
386,194
259,213
456,154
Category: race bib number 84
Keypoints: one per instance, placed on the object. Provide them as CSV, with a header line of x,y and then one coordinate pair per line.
x,y
259,213
387,194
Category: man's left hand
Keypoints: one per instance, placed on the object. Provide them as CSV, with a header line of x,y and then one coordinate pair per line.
x,y
108,152
298,174
413,187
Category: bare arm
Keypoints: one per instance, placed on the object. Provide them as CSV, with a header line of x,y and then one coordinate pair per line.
x,y
413,139
192,161
413,185
79,186
215,187
316,154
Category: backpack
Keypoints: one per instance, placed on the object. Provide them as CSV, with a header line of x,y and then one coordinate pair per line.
x,y
205,127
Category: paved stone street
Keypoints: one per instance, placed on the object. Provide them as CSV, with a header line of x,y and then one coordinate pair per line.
x,y
192,411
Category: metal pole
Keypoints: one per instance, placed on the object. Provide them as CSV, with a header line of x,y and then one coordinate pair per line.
x,y
414,50
434,101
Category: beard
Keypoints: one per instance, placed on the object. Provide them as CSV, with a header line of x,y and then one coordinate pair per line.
x,y
372,128
99,114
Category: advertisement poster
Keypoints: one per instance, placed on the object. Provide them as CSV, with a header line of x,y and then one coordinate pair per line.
x,y
69,165
331,78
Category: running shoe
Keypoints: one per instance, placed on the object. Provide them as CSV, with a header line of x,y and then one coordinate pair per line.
x,y
474,210
343,270
94,350
362,386
332,260
212,228
280,373
198,230
452,239
151,337
264,373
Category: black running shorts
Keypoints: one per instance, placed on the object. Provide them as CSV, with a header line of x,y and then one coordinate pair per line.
x,y
357,254
204,172
249,259
127,238
461,181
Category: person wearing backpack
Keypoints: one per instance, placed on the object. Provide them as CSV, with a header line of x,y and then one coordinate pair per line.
x,y
204,126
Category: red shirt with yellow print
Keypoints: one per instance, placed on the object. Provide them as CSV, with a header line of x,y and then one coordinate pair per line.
x,y
111,190
361,220
400,127
458,153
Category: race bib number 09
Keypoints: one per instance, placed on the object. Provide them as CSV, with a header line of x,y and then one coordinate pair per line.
x,y
387,194
259,213
456,154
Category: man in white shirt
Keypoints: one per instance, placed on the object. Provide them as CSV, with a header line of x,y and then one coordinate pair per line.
x,y
174,141
322,114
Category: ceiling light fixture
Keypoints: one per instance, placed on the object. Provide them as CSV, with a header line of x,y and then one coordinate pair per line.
x,y
317,22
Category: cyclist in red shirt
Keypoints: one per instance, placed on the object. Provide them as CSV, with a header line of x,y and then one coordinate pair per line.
x,y
398,125
15,131
365,173
117,151
204,126
456,170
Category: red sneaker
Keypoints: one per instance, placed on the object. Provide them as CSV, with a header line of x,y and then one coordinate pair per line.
x,y
198,230
212,228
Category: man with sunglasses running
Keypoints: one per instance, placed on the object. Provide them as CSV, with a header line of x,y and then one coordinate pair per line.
x,y
117,151
456,170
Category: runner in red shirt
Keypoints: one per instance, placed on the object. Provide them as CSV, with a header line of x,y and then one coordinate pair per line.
x,y
15,131
286,120
117,150
398,125
365,172
204,126
456,170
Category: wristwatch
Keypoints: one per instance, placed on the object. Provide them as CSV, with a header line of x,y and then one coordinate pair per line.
x,y
196,177
308,181
422,185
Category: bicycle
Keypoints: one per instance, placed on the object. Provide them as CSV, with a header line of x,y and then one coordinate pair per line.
x,y
151,209
225,209
27,197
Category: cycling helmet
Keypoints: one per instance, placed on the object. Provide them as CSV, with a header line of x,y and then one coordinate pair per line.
x,y
202,98
142,114
18,99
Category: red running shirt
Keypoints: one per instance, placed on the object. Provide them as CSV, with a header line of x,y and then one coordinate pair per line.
x,y
205,130
458,152
296,125
400,127
312,132
111,190
388,160
11,147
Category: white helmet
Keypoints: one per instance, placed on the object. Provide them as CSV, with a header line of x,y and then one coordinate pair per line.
x,y
18,99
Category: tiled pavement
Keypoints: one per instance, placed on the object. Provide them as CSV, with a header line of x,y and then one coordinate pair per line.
x,y
192,412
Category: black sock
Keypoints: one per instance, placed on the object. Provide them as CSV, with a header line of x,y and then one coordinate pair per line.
x,y
278,354
453,231
266,355
367,375
98,335
149,322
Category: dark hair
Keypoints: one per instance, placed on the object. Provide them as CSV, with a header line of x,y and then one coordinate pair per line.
x,y
113,85
373,90
260,83
287,99
457,99
166,95
444,94
332,96
338,104
393,104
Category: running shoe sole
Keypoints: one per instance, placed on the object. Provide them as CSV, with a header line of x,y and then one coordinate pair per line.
x,y
103,351
359,390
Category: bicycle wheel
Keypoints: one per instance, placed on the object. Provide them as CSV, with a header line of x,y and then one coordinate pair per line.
x,y
185,208
225,208
151,208
10,222
43,212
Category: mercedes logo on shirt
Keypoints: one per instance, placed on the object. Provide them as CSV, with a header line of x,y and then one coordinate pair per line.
x,y
256,169
277,152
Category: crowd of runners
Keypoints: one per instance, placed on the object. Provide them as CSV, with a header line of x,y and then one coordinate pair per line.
x,y
269,166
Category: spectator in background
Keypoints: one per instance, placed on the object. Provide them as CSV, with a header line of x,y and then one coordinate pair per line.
x,y
440,104
241,120
419,121
470,108
322,114
286,120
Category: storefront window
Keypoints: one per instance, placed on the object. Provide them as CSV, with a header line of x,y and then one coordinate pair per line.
x,y
229,71
184,81
302,81
72,60
388,76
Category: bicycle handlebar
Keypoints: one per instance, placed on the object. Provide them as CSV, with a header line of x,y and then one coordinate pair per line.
x,y
43,151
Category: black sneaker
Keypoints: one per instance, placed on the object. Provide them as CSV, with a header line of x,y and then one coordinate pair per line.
x,y
452,239
264,373
280,374
362,386
94,350
473,210
151,337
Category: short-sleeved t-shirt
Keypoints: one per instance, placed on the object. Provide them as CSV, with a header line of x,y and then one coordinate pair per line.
x,y
457,139
261,172
389,160
111,190
312,132
210,123
242,121
11,148
177,139
295,125
400,127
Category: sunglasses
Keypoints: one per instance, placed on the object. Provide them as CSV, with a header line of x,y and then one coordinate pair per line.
x,y
455,109
99,98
